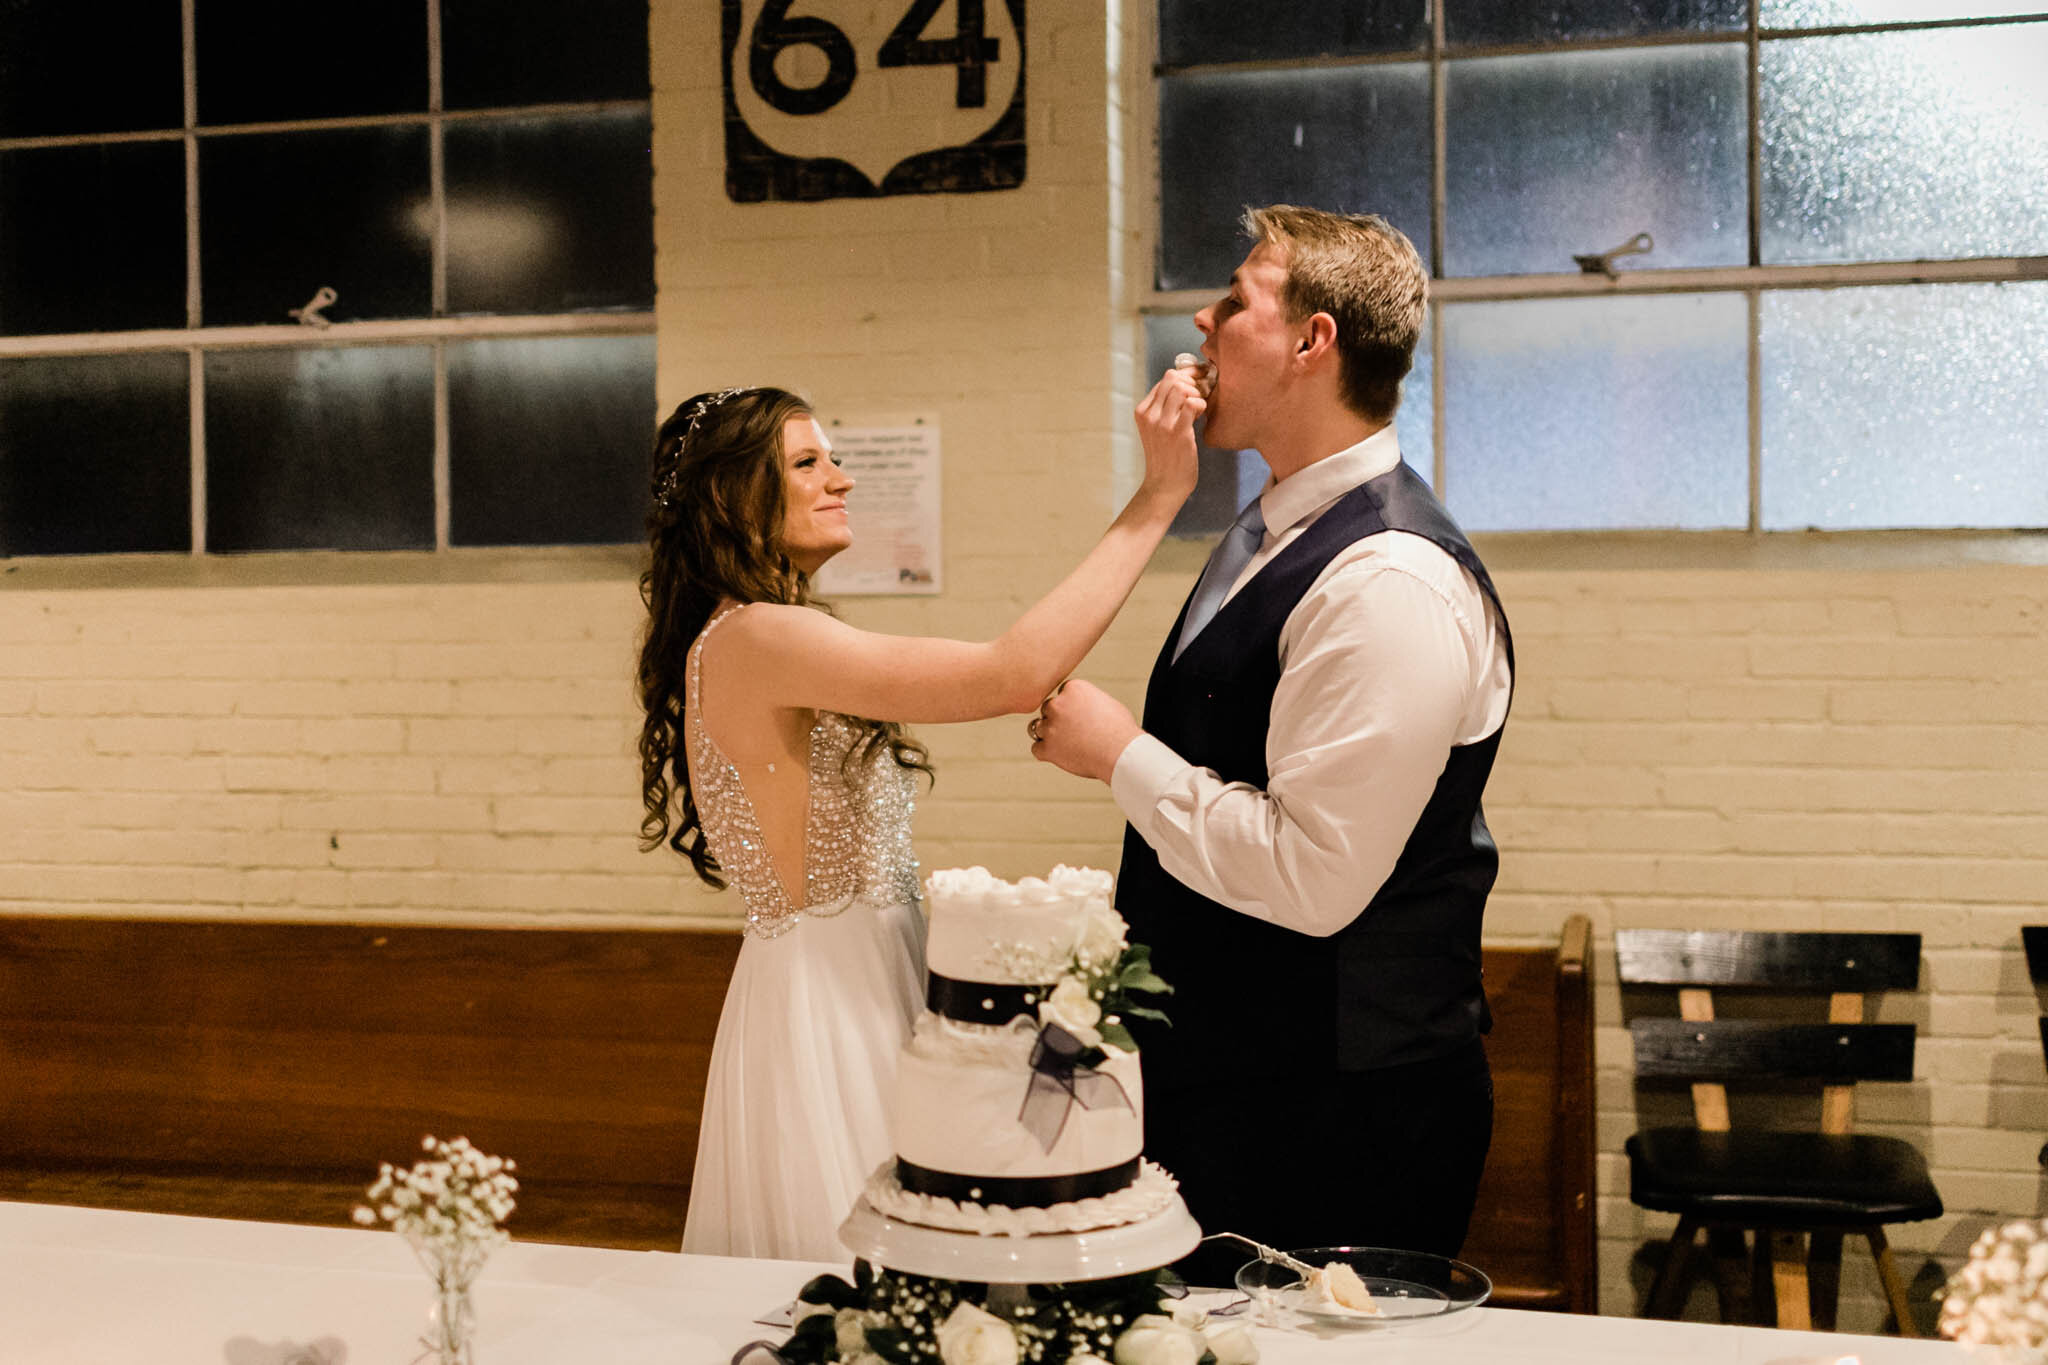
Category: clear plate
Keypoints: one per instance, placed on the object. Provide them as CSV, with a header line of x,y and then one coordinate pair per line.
x,y
1405,1285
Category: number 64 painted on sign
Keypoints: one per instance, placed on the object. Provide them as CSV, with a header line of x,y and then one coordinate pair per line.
x,y
775,31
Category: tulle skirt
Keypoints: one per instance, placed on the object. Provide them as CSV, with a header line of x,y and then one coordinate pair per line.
x,y
796,1107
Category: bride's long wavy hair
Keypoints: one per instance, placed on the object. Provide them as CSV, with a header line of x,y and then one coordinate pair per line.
x,y
714,531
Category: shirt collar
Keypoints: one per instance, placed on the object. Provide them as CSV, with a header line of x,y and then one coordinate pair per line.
x,y
1291,499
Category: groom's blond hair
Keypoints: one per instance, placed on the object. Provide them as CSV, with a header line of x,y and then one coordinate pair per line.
x,y
1365,274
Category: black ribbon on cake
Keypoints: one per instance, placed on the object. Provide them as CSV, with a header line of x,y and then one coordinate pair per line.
x,y
979,1002
1059,1081
1016,1192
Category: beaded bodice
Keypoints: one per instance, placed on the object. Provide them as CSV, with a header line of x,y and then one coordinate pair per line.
x,y
856,843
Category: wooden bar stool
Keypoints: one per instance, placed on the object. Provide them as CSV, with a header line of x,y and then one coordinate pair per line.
x,y
1786,1187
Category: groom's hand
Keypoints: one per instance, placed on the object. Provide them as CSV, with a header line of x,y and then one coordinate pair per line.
x,y
1082,729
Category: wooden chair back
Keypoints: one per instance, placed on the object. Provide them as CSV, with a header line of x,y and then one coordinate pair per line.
x,y
1711,1052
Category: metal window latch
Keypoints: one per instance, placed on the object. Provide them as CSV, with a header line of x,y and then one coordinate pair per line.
x,y
310,315
1603,264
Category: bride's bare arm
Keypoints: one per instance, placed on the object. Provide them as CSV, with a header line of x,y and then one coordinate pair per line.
x,y
797,657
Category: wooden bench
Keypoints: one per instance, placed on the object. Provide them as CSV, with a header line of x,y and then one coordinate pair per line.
x,y
1533,1229
263,1070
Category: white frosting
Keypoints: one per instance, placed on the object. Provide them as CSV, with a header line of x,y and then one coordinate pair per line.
x,y
1152,1191
959,1088
987,929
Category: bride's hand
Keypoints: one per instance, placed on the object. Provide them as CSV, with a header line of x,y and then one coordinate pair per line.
x,y
1166,429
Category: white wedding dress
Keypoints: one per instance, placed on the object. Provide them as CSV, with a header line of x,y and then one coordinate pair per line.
x,y
796,1105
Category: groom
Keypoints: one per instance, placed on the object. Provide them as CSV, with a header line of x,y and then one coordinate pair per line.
x,y
1306,852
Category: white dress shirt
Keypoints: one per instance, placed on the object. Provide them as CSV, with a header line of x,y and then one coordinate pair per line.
x,y
1391,659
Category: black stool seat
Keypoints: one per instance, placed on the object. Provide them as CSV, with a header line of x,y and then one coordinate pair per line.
x,y
1761,1178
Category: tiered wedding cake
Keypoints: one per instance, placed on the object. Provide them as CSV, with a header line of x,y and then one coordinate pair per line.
x,y
1019,1110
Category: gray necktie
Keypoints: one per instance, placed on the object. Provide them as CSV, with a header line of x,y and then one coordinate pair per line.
x,y
1232,553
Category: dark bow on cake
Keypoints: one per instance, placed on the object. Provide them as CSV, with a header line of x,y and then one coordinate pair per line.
x,y
1060,1079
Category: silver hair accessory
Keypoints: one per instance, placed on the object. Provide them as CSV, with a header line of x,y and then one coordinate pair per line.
x,y
665,491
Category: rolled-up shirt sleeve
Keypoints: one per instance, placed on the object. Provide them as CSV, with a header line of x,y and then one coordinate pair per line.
x,y
1375,682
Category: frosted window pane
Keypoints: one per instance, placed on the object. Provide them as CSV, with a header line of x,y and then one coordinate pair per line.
x,y
1474,22
1563,154
1905,146
1355,140
1597,414
1230,478
1906,406
1840,13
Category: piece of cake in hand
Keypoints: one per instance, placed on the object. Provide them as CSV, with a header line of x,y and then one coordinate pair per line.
x,y
1203,373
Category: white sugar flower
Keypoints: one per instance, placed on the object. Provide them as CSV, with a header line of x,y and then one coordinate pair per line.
x,y
1074,1008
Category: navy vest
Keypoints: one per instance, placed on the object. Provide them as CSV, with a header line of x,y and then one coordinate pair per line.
x,y
1399,983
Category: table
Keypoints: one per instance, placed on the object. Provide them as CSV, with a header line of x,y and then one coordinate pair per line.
x,y
106,1287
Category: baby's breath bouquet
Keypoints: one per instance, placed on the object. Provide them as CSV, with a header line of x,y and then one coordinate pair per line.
x,y
451,1207
2000,1296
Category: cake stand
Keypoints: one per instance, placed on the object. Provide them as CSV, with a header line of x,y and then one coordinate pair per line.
x,y
1048,1258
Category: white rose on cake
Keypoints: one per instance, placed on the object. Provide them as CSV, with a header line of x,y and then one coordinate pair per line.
x,y
974,1336
1074,1009
1102,937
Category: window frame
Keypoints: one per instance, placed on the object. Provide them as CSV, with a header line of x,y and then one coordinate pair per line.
x,y
1752,281
195,340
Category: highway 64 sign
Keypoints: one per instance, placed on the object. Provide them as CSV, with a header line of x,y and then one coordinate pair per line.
x,y
830,99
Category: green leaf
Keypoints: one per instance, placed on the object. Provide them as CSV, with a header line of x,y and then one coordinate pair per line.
x,y
1141,1012
1117,1035
1142,978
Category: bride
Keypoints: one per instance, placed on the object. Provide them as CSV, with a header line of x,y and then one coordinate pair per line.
x,y
773,757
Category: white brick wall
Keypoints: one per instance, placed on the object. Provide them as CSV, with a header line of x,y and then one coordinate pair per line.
x,y
1769,748
1803,749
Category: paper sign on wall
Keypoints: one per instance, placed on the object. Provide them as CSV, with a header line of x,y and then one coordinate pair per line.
x,y
893,509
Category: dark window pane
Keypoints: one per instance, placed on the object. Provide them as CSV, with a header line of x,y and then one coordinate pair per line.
x,y
1193,31
1355,140
284,214
92,239
1474,22
503,52
1919,145
550,215
95,454
326,448
61,72
548,440
261,60
1575,153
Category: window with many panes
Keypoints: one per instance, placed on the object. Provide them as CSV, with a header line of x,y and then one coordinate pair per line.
x,y
331,274
1841,319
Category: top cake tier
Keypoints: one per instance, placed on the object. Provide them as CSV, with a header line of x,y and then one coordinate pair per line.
x,y
989,930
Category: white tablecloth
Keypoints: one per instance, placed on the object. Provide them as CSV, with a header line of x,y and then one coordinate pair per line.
x,y
90,1285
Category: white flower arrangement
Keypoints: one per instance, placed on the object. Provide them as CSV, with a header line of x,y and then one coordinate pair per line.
x,y
451,1207
886,1317
2000,1296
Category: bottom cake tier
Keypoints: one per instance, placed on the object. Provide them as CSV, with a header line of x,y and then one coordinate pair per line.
x,y
1160,1238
